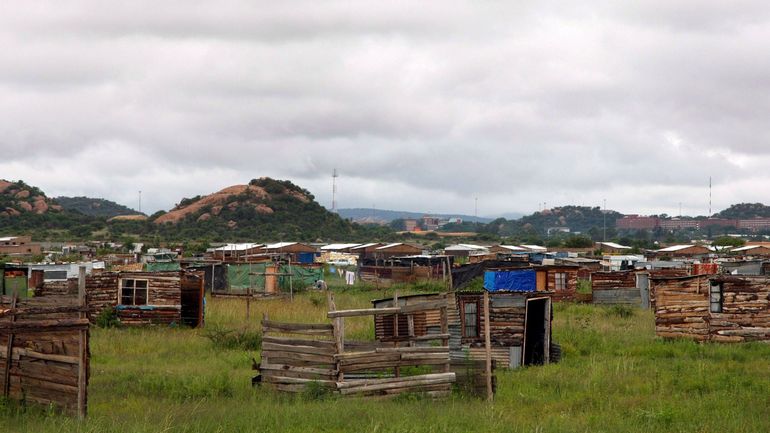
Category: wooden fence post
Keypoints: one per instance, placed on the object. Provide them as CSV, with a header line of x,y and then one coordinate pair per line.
x,y
397,370
445,331
488,347
82,347
9,349
449,273
338,330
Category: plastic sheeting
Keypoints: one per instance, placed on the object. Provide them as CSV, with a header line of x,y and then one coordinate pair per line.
x,y
161,266
463,275
239,279
516,281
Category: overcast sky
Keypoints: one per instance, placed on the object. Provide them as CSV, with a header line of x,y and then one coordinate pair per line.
x,y
420,105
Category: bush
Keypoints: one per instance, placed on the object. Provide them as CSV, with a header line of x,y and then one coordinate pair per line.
x,y
316,391
623,311
231,339
108,318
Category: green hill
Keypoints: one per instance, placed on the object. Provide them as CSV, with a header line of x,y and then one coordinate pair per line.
x,y
745,211
96,207
577,218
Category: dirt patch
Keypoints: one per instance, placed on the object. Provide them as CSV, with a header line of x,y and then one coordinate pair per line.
x,y
128,218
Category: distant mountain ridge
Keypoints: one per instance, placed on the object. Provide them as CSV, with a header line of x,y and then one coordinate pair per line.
x,y
384,215
96,207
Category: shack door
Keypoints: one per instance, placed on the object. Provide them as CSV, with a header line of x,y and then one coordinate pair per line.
x,y
192,301
542,280
15,282
537,331
643,283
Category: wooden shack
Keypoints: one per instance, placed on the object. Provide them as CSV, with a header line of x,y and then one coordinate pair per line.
x,y
171,297
519,325
618,288
168,297
560,280
713,308
395,250
296,252
319,354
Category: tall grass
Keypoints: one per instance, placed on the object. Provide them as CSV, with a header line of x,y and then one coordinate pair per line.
x,y
615,376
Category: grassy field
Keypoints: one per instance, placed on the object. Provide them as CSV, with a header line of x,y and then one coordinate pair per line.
x,y
615,376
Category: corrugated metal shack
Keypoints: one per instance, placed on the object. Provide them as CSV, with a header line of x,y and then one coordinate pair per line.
x,y
713,308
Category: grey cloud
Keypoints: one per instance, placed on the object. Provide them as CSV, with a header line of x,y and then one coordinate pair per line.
x,y
419,105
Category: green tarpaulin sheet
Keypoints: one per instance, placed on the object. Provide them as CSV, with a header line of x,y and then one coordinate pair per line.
x,y
161,266
239,279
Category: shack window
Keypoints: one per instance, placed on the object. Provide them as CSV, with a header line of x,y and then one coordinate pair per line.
x,y
715,297
470,319
133,292
560,281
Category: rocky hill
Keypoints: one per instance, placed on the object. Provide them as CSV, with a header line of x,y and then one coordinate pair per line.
x,y
263,209
97,207
18,198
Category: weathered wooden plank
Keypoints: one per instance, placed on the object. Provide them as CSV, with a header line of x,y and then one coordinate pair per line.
x,y
273,347
298,341
363,312
309,370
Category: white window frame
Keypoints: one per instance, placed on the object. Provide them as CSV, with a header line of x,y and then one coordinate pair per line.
x,y
134,280
716,298
556,277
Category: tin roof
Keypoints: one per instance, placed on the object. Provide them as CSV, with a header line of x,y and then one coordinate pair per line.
x,y
332,247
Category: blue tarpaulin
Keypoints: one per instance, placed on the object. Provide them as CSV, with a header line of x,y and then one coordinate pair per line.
x,y
305,258
516,280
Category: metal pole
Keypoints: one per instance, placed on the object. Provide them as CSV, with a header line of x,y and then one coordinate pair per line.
x,y
604,217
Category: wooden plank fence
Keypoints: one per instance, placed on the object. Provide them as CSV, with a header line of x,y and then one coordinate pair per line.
x,y
295,355
44,352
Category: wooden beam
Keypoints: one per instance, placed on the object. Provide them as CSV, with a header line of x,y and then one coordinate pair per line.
x,y
9,350
82,348
362,312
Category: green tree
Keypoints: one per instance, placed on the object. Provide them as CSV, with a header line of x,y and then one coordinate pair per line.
x,y
729,241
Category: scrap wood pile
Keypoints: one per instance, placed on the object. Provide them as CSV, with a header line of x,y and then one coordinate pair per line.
x,y
295,355
44,351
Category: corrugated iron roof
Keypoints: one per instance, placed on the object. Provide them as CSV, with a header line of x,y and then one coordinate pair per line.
x,y
332,247
278,245
238,247
615,245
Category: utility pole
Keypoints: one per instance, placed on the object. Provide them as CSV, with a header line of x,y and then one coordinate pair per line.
x,y
334,190
140,201
709,196
604,217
